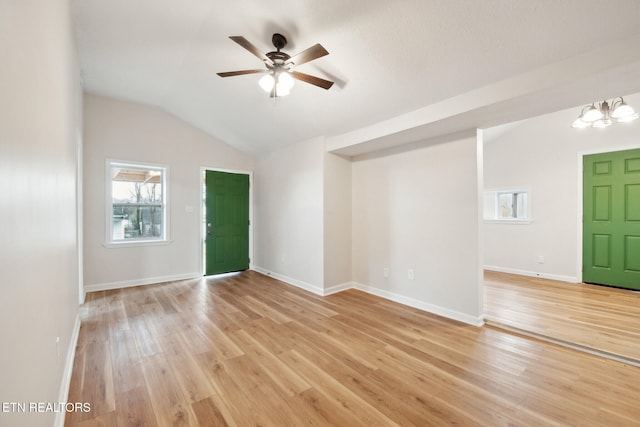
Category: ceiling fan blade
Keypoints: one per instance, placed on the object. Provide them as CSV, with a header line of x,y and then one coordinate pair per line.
x,y
250,47
316,81
241,72
314,52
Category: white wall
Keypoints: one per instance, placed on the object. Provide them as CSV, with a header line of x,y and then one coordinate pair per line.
x,y
543,154
40,124
337,222
419,210
289,214
121,130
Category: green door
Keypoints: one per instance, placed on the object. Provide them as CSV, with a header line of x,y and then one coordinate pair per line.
x,y
226,222
611,228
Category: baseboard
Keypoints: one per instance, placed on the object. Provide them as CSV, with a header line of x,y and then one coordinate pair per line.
x,y
289,280
63,395
411,302
570,279
339,288
140,282
421,305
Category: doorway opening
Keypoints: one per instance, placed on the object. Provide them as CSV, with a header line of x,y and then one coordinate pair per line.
x,y
530,287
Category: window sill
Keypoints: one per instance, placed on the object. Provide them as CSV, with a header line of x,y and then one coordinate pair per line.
x,y
509,221
135,243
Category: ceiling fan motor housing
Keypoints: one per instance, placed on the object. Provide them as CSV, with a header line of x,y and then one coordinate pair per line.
x,y
279,41
277,58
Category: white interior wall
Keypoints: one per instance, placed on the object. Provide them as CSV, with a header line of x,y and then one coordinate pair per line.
x,y
419,210
337,222
121,130
289,214
543,154
40,122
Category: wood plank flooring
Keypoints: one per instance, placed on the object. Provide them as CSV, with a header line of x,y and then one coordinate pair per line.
x,y
247,350
592,317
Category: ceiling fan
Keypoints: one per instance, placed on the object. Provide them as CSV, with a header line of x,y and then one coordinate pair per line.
x,y
280,73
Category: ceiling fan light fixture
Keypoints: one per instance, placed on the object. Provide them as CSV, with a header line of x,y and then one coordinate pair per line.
x,y
280,74
267,82
285,81
282,91
281,80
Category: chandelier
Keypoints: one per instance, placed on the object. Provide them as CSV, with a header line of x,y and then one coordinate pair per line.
x,y
604,114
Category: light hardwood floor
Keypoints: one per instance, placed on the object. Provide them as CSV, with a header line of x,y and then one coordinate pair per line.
x,y
591,317
247,350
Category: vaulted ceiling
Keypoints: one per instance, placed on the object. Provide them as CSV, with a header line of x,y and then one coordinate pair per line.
x,y
404,69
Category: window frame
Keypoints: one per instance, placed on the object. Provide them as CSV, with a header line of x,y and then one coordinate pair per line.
x,y
494,196
110,242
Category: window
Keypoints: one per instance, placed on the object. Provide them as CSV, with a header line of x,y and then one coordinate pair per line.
x,y
507,206
137,203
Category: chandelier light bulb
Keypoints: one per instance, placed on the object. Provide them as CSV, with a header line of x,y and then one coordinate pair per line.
x,y
622,111
592,114
579,124
628,118
601,124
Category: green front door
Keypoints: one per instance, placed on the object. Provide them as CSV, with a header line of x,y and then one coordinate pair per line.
x,y
611,228
226,222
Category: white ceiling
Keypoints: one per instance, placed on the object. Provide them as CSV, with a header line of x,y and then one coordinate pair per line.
x,y
404,69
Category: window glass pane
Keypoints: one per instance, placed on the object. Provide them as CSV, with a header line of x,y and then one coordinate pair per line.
x,y
505,205
522,205
137,202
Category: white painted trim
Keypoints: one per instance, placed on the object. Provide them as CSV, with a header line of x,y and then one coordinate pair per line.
x,y
411,302
509,221
79,207
290,281
140,282
480,225
339,288
136,242
63,395
569,279
421,305
166,179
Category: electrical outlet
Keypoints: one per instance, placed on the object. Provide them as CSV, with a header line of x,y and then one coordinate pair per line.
x,y
385,272
410,274
540,259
